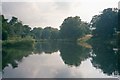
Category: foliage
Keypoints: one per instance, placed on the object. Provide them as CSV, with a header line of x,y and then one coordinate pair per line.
x,y
118,28
73,28
4,35
14,28
0,27
118,41
46,33
36,33
104,55
4,28
72,54
47,46
50,33
105,23
118,31
13,55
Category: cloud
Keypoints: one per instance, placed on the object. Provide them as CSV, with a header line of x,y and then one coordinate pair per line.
x,y
37,13
63,5
119,5
53,12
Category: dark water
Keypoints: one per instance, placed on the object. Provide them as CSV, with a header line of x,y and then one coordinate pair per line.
x,y
61,60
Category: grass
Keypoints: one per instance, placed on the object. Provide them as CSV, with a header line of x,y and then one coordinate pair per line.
x,y
18,43
84,39
86,45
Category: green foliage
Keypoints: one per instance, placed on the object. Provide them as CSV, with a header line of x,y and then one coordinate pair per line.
x,y
118,32
36,33
118,41
4,35
46,33
54,33
118,28
13,28
104,56
0,27
50,33
72,54
73,28
11,55
3,28
105,23
47,46
13,21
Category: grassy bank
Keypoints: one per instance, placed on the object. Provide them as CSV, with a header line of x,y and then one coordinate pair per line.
x,y
18,43
84,41
84,38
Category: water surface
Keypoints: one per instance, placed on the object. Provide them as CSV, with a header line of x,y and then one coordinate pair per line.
x,y
60,60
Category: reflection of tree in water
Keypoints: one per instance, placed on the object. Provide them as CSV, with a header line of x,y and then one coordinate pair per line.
x,y
47,47
72,54
14,55
11,55
105,58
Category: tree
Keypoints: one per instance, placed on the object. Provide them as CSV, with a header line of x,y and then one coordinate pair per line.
x,y
73,28
13,28
4,28
0,27
46,33
54,33
118,31
50,33
118,28
18,28
13,21
4,35
37,33
26,30
105,23
104,56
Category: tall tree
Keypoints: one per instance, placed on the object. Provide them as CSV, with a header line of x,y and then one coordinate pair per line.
x,y
105,23
4,28
73,28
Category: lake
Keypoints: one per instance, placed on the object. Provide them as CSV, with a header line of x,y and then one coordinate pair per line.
x,y
60,60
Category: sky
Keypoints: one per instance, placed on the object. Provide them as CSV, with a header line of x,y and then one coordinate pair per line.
x,y
43,13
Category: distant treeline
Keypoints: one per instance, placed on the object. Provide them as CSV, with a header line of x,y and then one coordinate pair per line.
x,y
103,26
72,28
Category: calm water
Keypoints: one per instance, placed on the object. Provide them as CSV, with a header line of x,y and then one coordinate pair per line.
x,y
61,60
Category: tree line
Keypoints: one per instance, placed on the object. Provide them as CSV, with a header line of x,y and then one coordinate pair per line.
x,y
71,28
103,26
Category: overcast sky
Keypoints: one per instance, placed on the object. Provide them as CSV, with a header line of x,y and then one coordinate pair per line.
x,y
42,13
